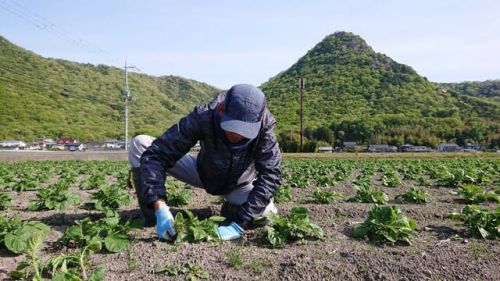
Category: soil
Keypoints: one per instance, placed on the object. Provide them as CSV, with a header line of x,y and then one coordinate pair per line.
x,y
440,252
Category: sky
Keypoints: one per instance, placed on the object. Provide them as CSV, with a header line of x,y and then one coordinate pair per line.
x,y
223,43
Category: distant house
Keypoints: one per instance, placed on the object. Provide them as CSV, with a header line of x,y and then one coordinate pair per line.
x,y
414,148
77,146
12,145
40,144
349,145
473,146
34,146
325,149
381,148
448,147
67,141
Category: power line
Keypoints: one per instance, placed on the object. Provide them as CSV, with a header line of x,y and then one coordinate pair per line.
x,y
45,25
39,22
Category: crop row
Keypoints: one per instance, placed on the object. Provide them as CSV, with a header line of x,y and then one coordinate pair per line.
x,y
474,181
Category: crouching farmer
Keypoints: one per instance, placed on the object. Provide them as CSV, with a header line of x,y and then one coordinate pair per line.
x,y
239,158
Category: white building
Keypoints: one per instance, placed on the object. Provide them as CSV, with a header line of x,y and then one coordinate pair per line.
x,y
325,149
12,145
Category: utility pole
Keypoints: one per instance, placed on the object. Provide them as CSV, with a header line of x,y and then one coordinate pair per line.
x,y
301,86
127,97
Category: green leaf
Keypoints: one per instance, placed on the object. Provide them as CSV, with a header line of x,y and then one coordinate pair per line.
x,y
94,245
116,242
203,275
36,240
98,274
483,232
16,274
70,275
217,218
360,231
16,243
22,265
169,269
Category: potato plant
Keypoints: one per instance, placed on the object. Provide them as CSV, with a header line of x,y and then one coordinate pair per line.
x,y
386,224
479,222
108,231
5,200
474,194
294,226
32,266
15,234
415,195
56,196
365,194
283,194
177,197
111,197
75,265
391,178
324,196
95,181
190,229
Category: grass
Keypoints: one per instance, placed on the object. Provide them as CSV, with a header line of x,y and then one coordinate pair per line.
x,y
479,251
132,263
258,265
234,258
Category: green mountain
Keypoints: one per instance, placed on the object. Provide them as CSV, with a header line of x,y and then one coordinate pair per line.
x,y
52,97
353,93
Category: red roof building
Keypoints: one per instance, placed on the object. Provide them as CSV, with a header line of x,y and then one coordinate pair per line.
x,y
67,141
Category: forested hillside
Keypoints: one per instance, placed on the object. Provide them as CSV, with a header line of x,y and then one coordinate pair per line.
x,y
353,93
57,98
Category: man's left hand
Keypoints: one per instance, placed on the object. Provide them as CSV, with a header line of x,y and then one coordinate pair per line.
x,y
230,232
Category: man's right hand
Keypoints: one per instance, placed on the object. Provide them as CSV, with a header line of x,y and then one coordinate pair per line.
x,y
164,222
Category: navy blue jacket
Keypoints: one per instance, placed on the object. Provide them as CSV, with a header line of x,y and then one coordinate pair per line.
x,y
220,167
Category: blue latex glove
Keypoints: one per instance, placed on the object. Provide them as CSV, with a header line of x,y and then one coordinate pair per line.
x,y
230,232
165,223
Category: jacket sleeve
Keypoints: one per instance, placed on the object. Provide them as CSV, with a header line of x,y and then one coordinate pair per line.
x,y
164,153
268,167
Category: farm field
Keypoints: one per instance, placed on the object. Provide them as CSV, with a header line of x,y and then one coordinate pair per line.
x,y
89,223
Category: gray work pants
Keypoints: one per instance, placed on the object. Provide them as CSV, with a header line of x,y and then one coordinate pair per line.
x,y
185,171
